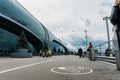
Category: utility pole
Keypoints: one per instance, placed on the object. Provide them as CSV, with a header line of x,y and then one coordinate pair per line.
x,y
83,42
106,19
86,38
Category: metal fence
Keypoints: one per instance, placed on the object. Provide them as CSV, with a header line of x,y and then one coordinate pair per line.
x,y
103,53
103,48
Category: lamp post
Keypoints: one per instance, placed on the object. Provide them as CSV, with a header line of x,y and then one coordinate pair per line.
x,y
86,38
84,46
106,19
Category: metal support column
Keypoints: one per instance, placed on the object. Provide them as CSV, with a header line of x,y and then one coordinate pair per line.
x,y
106,19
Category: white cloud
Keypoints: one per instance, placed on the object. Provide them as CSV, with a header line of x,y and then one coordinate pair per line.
x,y
68,19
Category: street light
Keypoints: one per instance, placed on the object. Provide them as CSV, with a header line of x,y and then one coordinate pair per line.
x,y
86,38
106,19
84,46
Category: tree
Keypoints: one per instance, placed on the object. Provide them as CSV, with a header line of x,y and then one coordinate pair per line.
x,y
54,50
59,50
22,41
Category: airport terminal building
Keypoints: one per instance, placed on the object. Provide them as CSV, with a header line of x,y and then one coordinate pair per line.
x,y
14,19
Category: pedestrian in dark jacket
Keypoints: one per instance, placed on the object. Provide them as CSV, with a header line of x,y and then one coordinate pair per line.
x,y
80,52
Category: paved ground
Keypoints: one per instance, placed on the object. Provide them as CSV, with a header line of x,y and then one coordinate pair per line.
x,y
56,68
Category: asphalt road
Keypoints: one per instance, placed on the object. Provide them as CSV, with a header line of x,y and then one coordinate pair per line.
x,y
56,68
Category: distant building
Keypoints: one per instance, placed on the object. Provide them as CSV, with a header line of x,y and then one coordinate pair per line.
x,y
14,19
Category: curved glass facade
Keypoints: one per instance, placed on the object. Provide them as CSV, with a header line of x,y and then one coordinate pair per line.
x,y
7,40
53,44
16,14
14,11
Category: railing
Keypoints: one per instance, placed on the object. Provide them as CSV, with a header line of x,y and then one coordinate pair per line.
x,y
106,59
115,50
102,54
102,49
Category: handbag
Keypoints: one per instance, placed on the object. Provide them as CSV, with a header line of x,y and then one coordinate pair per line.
x,y
115,15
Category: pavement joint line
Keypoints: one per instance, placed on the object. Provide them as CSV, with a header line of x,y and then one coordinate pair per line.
x,y
24,66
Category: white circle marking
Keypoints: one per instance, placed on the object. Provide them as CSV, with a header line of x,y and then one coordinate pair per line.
x,y
73,70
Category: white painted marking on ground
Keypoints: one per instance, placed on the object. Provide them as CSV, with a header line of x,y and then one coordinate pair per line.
x,y
72,72
24,66
62,68
71,69
81,68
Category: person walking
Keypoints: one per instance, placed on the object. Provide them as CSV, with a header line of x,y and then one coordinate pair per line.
x,y
91,54
90,45
80,52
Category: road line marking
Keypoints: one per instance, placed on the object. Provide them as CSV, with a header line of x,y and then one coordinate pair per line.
x,y
24,66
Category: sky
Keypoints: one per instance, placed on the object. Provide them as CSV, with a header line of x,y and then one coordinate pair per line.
x,y
68,19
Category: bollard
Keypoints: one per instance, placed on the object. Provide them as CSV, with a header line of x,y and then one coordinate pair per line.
x,y
91,54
